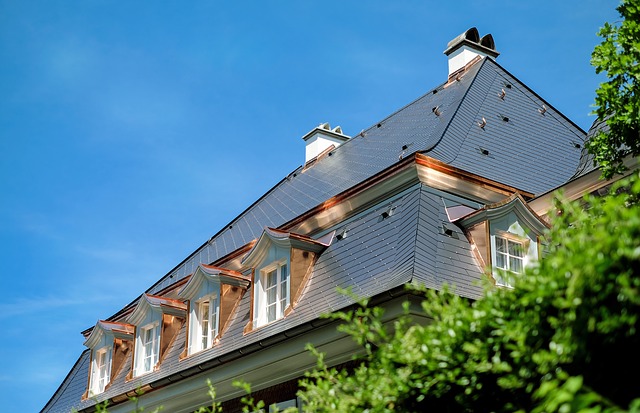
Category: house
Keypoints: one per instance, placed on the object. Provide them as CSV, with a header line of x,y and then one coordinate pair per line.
x,y
443,191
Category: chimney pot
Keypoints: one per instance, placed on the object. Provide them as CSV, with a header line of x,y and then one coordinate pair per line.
x,y
467,46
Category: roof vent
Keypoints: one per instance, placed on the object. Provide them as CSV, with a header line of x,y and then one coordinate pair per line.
x,y
468,46
321,138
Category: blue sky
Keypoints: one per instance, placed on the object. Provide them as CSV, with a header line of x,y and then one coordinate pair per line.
x,y
131,132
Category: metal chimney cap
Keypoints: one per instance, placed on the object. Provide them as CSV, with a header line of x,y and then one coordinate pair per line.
x,y
472,39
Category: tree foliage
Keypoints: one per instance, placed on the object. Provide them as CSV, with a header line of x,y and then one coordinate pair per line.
x,y
618,99
557,342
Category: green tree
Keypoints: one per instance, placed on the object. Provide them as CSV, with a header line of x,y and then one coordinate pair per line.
x,y
557,342
618,99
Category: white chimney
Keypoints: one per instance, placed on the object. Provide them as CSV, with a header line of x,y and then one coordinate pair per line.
x,y
321,138
466,47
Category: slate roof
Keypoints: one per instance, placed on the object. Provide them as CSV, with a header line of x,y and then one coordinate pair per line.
x,y
355,261
516,151
520,153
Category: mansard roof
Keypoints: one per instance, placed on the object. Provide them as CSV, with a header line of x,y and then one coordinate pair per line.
x,y
466,125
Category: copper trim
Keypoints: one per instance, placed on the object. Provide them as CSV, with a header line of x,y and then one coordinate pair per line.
x,y
440,166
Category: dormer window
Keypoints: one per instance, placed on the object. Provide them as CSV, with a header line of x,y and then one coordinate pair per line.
x,y
504,236
110,343
158,320
509,255
213,294
148,348
273,294
207,318
281,263
101,370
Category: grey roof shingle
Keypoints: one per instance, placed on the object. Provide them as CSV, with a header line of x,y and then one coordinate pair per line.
x,y
356,261
516,135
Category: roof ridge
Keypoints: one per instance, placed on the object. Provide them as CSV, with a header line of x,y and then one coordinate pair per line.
x,y
541,98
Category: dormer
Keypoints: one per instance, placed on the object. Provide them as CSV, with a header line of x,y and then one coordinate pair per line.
x,y
281,263
505,237
212,294
468,47
157,320
322,138
110,344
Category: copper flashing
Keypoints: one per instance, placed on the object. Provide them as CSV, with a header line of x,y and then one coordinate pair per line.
x,y
284,239
469,177
360,187
226,272
317,158
472,39
516,199
457,75
164,301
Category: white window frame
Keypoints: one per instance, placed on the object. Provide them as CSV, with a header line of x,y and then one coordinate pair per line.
x,y
147,350
100,370
212,319
272,300
507,257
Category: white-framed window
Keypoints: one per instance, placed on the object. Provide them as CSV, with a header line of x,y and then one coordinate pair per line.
x,y
273,293
148,348
509,254
101,370
205,324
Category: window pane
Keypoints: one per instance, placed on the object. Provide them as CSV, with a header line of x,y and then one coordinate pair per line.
x,y
515,264
147,364
500,245
156,344
271,279
149,350
214,318
204,325
271,295
102,371
515,249
271,312
284,290
500,261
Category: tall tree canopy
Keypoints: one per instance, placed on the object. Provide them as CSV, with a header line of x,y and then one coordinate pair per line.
x,y
618,99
